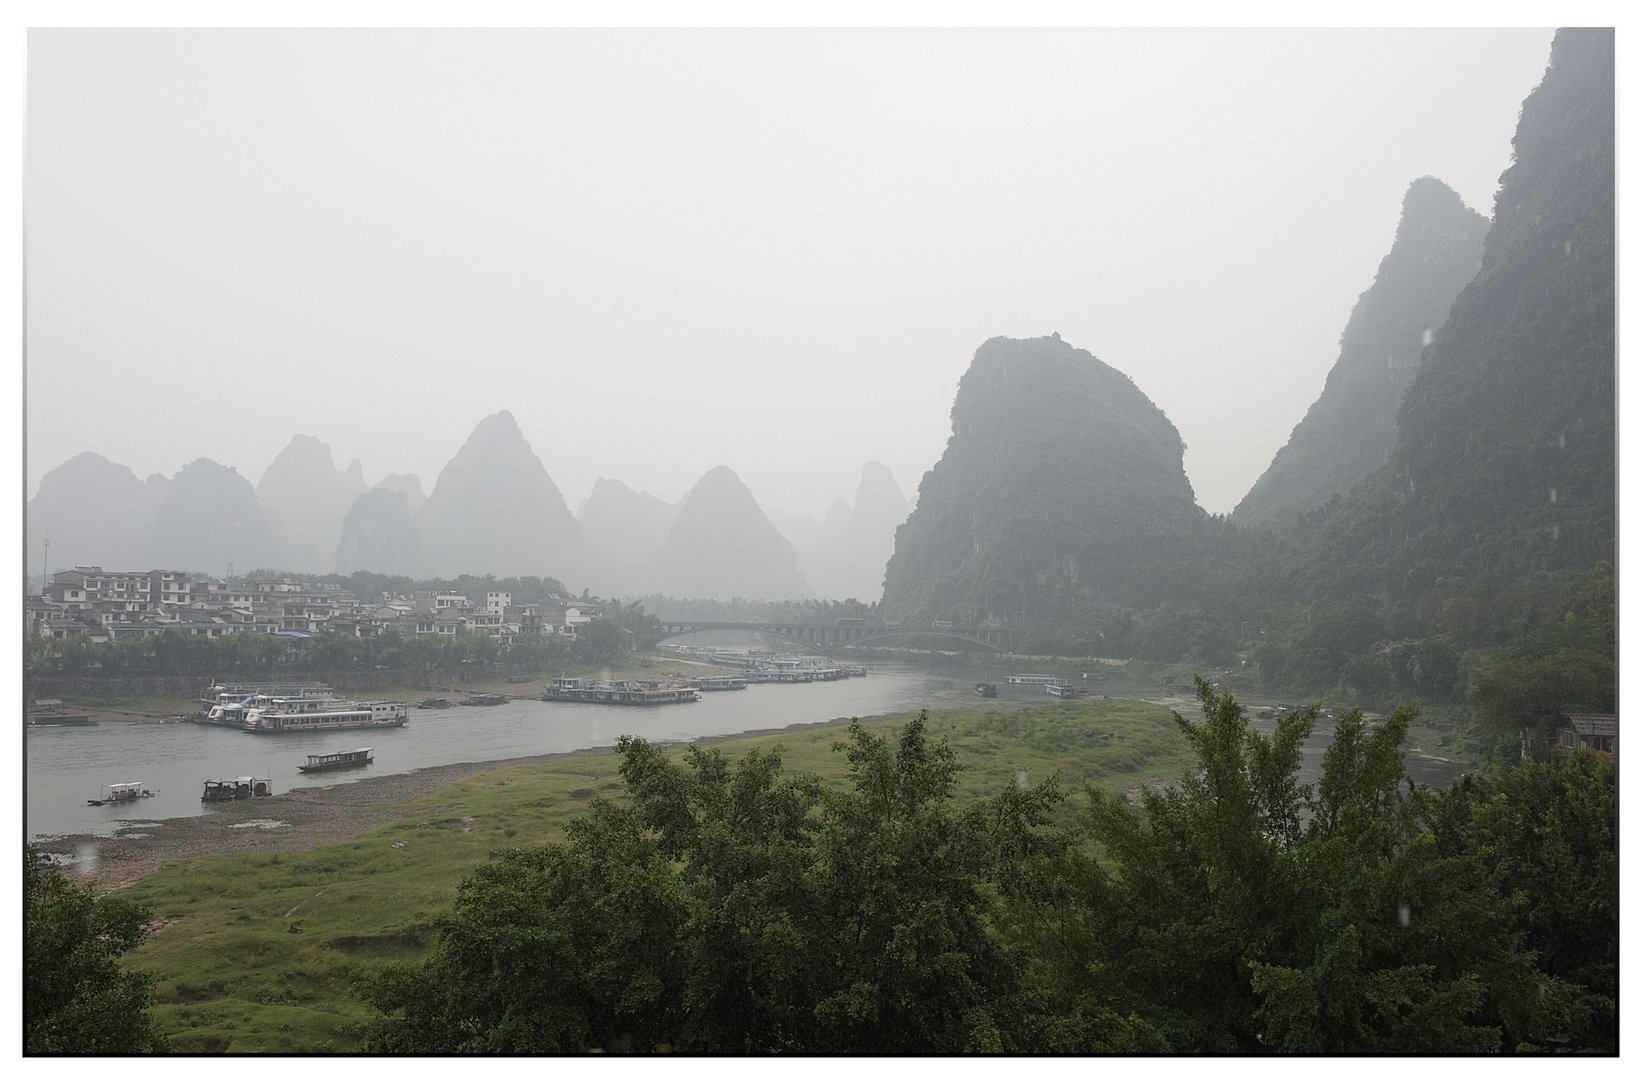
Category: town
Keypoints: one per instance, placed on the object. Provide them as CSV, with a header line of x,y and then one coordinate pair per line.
x,y
105,605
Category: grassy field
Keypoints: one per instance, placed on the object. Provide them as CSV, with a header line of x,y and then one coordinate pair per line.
x,y
258,952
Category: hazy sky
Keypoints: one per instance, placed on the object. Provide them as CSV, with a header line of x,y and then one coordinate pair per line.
x,y
669,250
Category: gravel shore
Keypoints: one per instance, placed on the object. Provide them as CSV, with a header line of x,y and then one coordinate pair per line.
x,y
305,817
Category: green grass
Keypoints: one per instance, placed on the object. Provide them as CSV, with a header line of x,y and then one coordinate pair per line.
x,y
234,977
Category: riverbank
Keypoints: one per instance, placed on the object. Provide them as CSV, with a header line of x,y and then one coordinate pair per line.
x,y
291,821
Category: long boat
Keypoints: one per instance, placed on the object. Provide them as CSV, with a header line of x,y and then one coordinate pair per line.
x,y
348,759
619,692
719,682
265,714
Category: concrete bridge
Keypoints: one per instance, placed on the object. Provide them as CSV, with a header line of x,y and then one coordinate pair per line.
x,y
824,639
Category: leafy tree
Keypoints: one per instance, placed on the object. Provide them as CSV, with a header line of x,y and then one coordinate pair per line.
x,y
599,641
75,997
733,908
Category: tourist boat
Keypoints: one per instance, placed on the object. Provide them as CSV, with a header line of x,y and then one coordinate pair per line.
x,y
1060,690
986,689
244,787
278,715
346,760
1034,680
122,793
619,692
719,682
226,705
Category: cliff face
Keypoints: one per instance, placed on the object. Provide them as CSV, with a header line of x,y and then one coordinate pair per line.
x,y
494,510
849,563
721,546
1062,484
1505,447
1352,428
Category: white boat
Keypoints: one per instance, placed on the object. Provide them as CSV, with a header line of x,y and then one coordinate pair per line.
x,y
307,714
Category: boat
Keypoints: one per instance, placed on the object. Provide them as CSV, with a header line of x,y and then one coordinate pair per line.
x,y
225,705
986,689
278,715
435,703
243,787
485,699
619,692
114,794
346,760
1034,680
1060,690
719,682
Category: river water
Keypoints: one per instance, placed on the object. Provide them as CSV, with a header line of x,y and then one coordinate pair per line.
x,y
68,765
65,766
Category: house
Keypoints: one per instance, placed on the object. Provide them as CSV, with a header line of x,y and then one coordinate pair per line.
x,y
1588,731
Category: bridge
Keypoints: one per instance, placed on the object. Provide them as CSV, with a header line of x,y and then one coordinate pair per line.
x,y
824,639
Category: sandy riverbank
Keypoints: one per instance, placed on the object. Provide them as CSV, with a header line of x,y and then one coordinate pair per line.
x,y
306,818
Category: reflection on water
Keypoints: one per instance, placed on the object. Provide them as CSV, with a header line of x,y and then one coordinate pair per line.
x,y
67,766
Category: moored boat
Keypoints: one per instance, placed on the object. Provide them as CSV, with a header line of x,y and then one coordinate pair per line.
x,y
243,787
986,689
618,692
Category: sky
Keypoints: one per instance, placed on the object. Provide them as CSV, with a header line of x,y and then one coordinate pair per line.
x,y
666,250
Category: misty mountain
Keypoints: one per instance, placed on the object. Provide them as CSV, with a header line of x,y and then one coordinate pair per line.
x,y
624,524
849,563
799,529
1061,485
721,546
1505,452
304,487
378,535
93,511
494,510
210,518
1351,429
407,485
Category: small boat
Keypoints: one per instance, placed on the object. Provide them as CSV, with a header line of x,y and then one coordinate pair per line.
x,y
122,793
1060,690
485,699
435,703
244,787
986,689
347,760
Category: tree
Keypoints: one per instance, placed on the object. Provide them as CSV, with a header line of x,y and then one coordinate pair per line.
x,y
600,641
734,908
75,997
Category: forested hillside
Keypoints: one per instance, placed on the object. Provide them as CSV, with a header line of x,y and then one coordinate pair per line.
x,y
1061,487
1352,428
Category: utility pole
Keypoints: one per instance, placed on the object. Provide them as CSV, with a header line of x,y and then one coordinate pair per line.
x,y
45,569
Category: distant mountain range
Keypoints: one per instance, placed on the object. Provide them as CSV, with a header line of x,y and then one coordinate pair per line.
x,y
494,509
1466,434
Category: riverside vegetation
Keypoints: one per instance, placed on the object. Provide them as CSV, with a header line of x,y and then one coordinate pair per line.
x,y
963,881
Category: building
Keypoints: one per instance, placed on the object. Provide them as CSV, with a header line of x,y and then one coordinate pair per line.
x,y
1588,731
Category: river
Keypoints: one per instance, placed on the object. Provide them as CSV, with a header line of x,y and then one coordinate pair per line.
x,y
68,765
